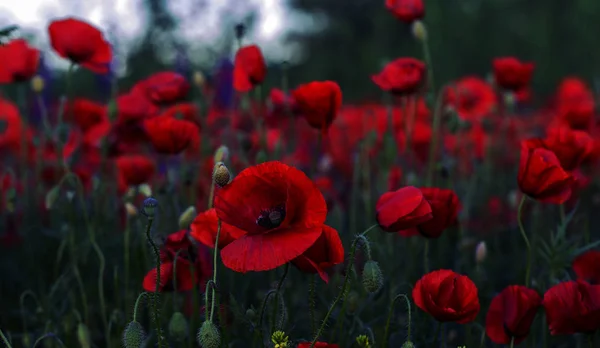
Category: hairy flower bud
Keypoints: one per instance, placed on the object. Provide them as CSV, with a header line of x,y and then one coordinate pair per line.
x,y
186,218
221,175
408,344
178,327
372,278
209,335
134,335
419,31
222,154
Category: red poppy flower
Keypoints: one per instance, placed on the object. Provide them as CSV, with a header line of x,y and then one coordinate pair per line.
x,y
541,177
18,61
178,256
447,296
402,209
204,230
135,169
171,135
281,210
85,113
249,68
512,74
575,103
571,147
406,10
445,207
511,313
11,126
319,102
185,111
587,266
163,87
81,43
472,98
572,307
134,106
327,252
317,345
402,76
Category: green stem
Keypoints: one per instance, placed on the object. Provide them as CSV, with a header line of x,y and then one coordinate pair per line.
x,y
155,297
48,335
525,239
389,319
216,252
311,302
512,342
126,243
344,291
428,61
435,137
5,340
137,304
436,336
286,268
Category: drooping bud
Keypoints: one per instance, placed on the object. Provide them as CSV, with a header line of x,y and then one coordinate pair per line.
x,y
209,336
221,175
186,218
149,207
178,327
372,278
134,335
363,341
37,84
280,339
419,31
480,252
222,154
83,336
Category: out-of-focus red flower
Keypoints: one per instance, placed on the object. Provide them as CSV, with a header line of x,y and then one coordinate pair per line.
x,y
319,102
402,209
135,169
81,43
204,230
447,296
541,177
18,61
317,345
587,266
249,68
185,111
511,314
177,255
395,178
511,73
575,103
445,207
163,87
171,135
571,147
281,210
327,252
402,76
572,307
406,10
11,126
134,107
472,98
84,113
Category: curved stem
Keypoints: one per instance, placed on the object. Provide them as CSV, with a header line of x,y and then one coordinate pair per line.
x,y
525,239
216,252
277,293
344,291
389,319
5,340
48,335
155,297
137,304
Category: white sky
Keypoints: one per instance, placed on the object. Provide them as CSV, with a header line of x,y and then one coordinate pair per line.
x,y
125,19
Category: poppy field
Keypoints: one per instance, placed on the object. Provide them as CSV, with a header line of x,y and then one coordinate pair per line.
x,y
444,214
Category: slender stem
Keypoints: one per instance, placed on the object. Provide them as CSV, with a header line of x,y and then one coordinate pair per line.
x,y
216,252
426,256
5,340
344,291
389,319
155,297
563,217
137,304
512,342
435,137
48,335
428,61
436,337
277,293
311,303
127,237
525,239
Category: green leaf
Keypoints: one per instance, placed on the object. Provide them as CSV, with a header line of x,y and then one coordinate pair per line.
x,y
588,247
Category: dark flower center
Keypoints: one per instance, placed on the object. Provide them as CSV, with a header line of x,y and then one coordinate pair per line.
x,y
271,218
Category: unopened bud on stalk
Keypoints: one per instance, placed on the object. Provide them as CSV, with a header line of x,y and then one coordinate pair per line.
x,y
178,327
134,335
199,79
372,278
222,154
37,84
145,189
221,175
419,31
280,339
83,336
363,341
480,252
130,209
149,207
208,336
186,218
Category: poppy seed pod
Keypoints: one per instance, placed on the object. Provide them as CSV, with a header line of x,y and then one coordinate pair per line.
x,y
209,335
372,277
221,175
178,328
134,335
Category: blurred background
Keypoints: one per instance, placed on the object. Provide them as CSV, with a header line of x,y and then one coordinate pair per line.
x,y
341,40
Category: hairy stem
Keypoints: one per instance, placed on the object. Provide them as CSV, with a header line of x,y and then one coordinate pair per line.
x,y
525,239
155,297
389,319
